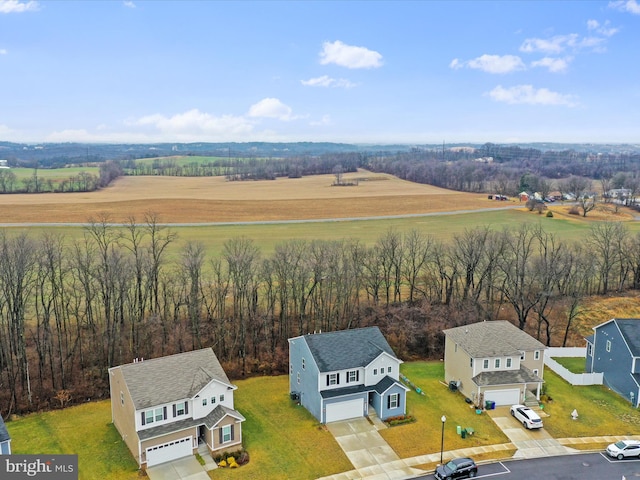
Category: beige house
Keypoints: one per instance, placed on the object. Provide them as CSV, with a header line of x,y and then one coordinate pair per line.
x,y
166,407
494,362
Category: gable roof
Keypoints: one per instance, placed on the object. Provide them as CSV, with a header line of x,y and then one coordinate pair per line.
x,y
172,378
630,331
347,348
492,339
4,434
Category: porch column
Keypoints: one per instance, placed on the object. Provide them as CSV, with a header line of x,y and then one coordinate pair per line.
x,y
538,391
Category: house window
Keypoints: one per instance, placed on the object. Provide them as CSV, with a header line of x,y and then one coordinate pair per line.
x,y
375,371
608,345
352,376
204,402
508,365
290,368
180,409
485,363
471,362
122,398
152,415
388,369
497,363
226,433
298,379
213,400
393,400
536,355
332,379
221,398
589,351
303,363
535,371
522,356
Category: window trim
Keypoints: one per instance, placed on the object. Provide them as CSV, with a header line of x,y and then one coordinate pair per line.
x,y
536,355
394,398
332,379
226,431
496,363
508,362
485,364
607,346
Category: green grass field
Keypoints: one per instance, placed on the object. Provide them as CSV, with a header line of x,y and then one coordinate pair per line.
x,y
442,227
54,174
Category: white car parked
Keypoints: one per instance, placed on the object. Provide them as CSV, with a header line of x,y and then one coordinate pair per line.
x,y
526,416
624,448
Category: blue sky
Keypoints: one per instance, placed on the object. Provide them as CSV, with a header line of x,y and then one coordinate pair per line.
x,y
341,71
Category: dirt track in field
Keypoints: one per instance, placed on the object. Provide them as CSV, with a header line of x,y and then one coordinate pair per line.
x,y
213,199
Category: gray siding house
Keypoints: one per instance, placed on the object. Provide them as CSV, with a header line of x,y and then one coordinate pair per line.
x,y
614,351
5,439
164,408
341,375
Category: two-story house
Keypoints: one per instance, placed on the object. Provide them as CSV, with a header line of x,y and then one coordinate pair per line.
x,y
494,361
340,375
614,351
165,406
5,439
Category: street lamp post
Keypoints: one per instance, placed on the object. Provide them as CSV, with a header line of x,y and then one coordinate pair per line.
x,y
443,419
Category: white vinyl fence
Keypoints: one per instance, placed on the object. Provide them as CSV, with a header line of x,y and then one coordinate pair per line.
x,y
572,378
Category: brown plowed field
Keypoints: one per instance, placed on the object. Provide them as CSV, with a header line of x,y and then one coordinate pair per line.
x,y
213,199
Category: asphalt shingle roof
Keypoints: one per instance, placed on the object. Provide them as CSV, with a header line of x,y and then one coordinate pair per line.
x,y
172,378
4,434
506,377
492,339
630,330
209,421
347,348
380,387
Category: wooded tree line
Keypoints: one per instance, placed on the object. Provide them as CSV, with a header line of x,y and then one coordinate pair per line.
x,y
71,309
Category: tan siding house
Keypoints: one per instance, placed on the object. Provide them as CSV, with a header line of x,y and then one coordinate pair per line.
x,y
494,362
164,408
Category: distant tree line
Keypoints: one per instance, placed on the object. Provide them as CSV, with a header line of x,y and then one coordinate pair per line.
x,y
71,309
80,182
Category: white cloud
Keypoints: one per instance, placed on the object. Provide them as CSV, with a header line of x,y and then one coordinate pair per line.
x,y
491,63
3,51
129,4
327,81
527,94
16,6
349,56
325,120
631,6
555,44
592,24
271,108
602,28
554,65
194,122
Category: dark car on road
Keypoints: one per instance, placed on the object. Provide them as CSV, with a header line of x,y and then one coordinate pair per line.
x,y
457,468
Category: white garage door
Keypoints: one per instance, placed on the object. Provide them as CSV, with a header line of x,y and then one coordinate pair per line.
x,y
503,397
344,410
169,451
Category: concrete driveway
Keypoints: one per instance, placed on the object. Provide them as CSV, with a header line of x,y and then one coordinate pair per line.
x,y
369,453
186,468
530,443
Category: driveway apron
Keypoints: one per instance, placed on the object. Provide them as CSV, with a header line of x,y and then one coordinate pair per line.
x,y
369,453
186,468
530,443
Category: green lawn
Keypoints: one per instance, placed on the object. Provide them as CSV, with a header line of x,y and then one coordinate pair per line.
x,y
573,364
85,430
424,436
600,411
